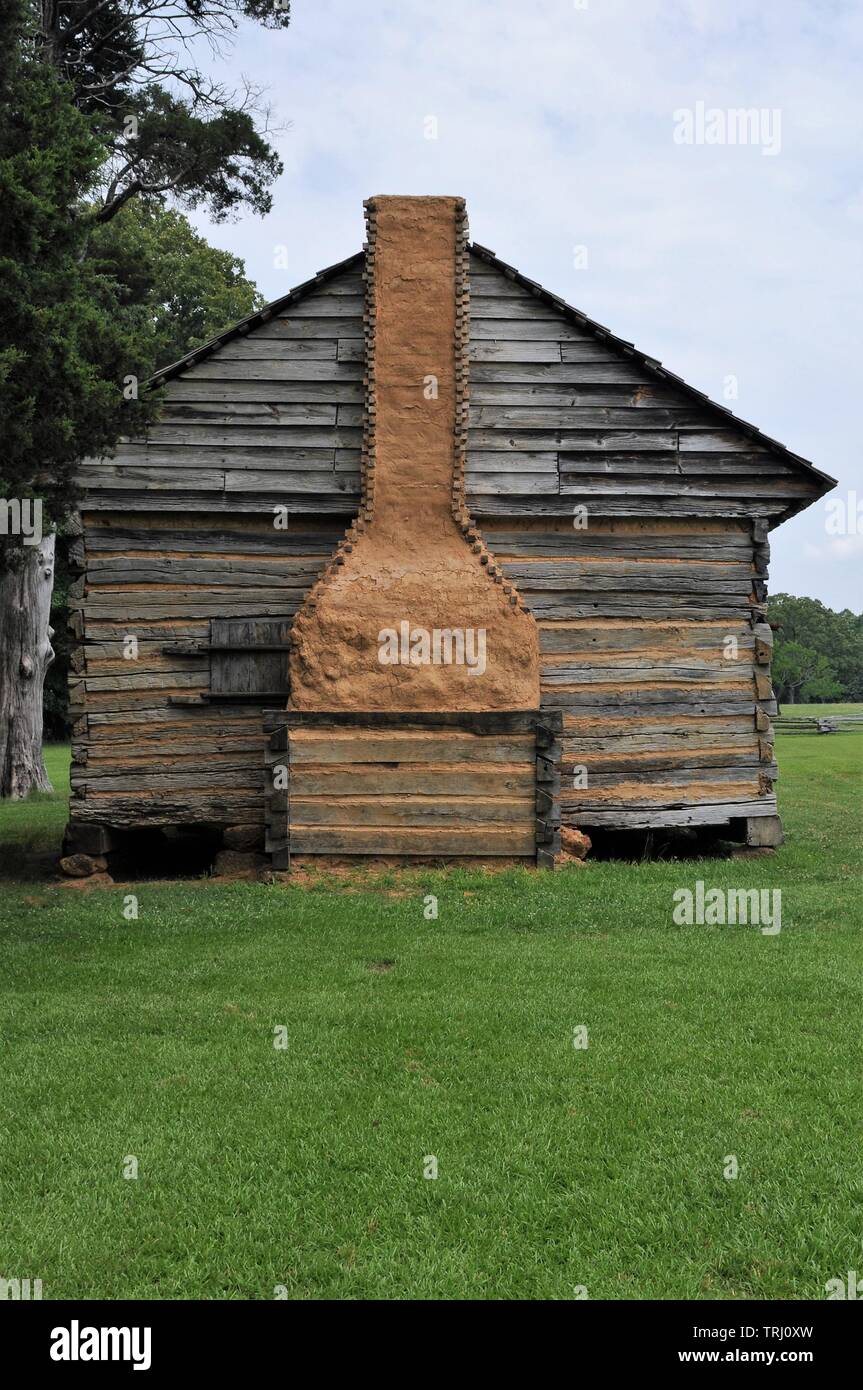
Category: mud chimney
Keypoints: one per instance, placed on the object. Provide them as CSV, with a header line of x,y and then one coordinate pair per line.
x,y
413,614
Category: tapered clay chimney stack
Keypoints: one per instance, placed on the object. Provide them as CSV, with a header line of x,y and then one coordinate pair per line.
x,y
412,585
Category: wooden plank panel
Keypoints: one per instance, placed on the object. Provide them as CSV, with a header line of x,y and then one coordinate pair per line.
x,y
468,813
570,353
496,350
125,607
673,743
347,282
107,763
728,700
487,282
275,434
296,503
262,481
624,406
249,672
229,537
205,452
597,539
669,762
609,369
627,785
780,490
491,461
200,569
177,720
451,786
649,464
131,471
619,504
499,405
433,842
591,579
309,326
337,747
176,750
719,441
627,648
650,817
322,304
132,679
736,673
518,482
650,794
596,569
221,409
190,779
114,808
419,780
517,305
632,391
263,371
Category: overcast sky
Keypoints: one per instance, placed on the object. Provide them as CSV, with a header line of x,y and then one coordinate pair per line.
x,y
555,119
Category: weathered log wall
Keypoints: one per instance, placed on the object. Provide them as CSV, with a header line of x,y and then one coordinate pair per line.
x,y
665,721
180,532
647,640
139,755
634,521
655,651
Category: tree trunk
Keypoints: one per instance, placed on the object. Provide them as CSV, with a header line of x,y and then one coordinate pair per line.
x,y
25,655
50,27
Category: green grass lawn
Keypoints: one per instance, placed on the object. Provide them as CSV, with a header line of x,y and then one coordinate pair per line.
x,y
406,1037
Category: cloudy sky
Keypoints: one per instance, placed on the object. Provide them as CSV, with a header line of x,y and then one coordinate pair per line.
x,y
556,120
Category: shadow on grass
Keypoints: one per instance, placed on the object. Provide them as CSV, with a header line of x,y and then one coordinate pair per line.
x,y
31,830
31,837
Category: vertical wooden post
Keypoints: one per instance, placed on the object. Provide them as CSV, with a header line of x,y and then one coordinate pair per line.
x,y
549,728
276,817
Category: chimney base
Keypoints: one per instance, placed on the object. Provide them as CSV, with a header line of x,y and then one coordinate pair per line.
x,y
482,786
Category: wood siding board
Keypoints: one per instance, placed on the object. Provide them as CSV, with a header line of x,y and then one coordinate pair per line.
x,y
700,452
427,785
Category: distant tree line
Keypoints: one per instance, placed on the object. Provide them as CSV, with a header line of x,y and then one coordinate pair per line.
x,y
818,654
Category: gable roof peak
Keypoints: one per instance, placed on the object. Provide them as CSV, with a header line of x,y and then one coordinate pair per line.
x,y
651,364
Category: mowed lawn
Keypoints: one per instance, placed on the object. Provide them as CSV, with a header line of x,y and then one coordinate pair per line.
x,y
299,1171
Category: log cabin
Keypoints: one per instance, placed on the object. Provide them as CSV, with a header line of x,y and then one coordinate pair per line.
x,y
420,562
